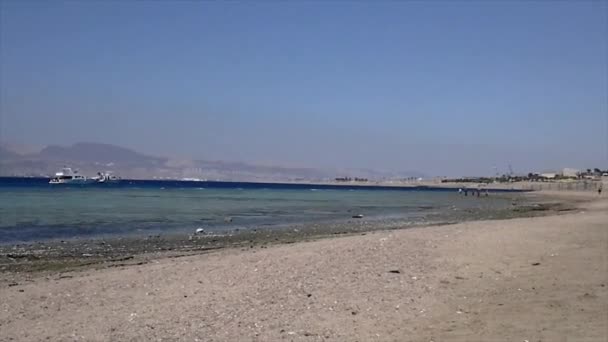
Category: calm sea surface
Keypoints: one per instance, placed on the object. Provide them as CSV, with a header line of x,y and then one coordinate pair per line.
x,y
32,210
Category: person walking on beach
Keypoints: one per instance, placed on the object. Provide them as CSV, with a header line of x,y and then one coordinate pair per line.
x,y
599,190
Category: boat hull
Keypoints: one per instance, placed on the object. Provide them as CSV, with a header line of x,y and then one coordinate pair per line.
x,y
71,181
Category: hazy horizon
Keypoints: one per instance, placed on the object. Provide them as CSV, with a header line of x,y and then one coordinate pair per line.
x,y
440,88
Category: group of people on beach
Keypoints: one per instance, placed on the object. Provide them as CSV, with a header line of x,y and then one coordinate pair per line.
x,y
465,191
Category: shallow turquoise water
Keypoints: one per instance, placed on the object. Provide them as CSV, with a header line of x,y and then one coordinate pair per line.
x,y
32,213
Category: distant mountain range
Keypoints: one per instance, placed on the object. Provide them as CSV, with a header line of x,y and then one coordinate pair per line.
x,y
90,158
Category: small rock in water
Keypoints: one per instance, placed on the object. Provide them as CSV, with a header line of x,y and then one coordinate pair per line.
x,y
200,231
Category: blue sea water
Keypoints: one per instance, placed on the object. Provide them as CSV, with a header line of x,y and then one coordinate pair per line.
x,y
33,210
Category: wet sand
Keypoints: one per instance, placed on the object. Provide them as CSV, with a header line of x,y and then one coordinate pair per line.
x,y
536,279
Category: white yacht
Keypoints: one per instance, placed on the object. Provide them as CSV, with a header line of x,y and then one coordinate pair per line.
x,y
106,177
69,176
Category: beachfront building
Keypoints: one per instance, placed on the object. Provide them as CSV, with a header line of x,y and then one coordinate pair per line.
x,y
571,173
548,175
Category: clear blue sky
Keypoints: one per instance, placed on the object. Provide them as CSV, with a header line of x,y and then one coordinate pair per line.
x,y
440,87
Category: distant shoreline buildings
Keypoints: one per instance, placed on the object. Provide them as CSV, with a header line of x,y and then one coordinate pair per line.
x,y
565,174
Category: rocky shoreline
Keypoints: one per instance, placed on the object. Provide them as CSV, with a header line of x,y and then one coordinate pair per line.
x,y
62,256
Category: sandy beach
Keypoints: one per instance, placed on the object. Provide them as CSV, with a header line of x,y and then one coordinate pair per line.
x,y
523,279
